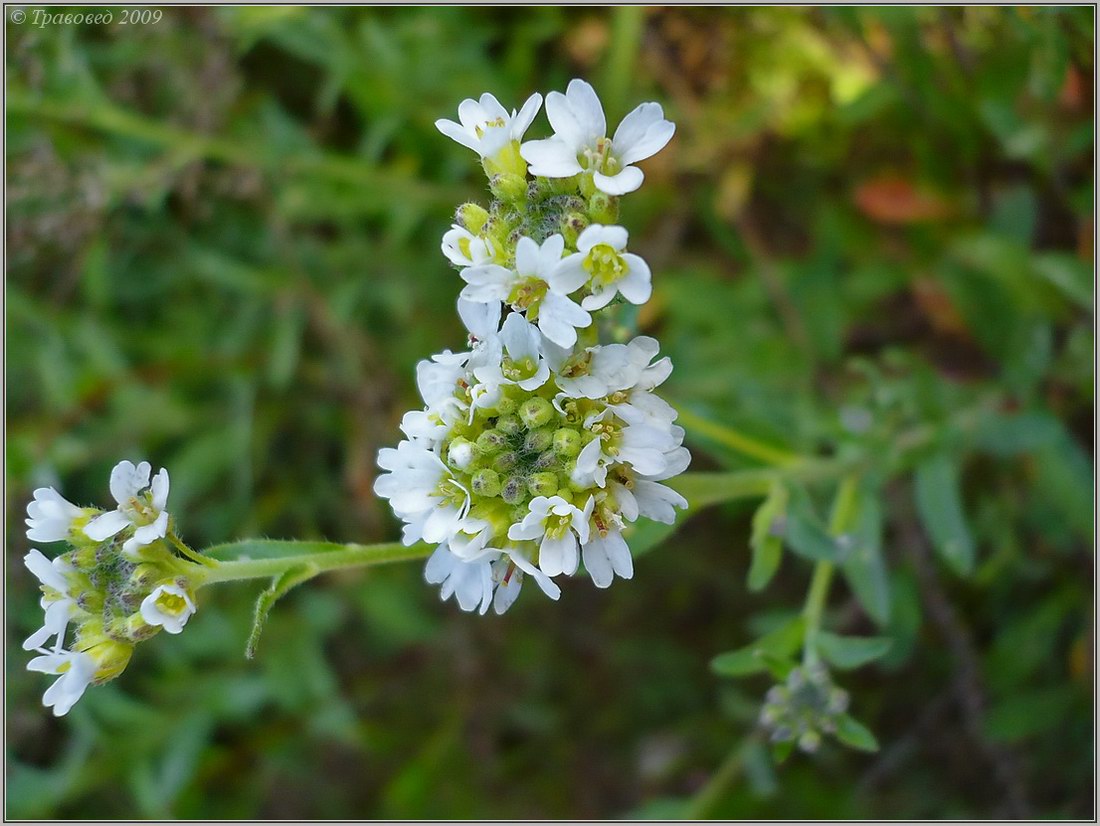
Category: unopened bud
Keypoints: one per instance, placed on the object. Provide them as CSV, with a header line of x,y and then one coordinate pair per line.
x,y
543,484
472,217
603,208
509,425
508,187
486,483
461,453
572,225
505,405
538,440
514,490
111,657
567,442
536,412
491,441
505,462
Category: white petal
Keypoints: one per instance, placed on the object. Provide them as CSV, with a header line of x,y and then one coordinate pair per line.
x,y
160,489
596,562
568,275
642,134
615,237
127,480
635,286
586,109
458,134
44,569
527,257
526,114
558,556
550,158
627,180
105,525
481,319
657,501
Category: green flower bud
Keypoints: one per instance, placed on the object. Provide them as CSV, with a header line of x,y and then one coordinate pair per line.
x,y
505,462
486,483
506,405
538,440
83,559
508,187
536,412
491,441
548,461
509,425
603,208
111,657
137,629
472,217
514,490
572,225
543,484
567,442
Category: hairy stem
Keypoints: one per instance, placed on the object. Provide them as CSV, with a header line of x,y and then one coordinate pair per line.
x,y
323,556
839,522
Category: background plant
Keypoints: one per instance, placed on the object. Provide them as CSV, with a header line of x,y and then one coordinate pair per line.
x,y
874,237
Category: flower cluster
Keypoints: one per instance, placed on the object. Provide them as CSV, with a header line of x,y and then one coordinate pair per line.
x,y
804,708
538,444
119,583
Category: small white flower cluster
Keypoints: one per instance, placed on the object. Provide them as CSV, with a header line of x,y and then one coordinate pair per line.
x,y
119,583
538,445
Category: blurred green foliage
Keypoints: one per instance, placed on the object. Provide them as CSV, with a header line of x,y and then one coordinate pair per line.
x,y
223,249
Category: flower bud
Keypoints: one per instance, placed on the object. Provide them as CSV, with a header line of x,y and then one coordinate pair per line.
x,y
491,441
461,453
509,425
548,461
508,187
603,208
538,440
137,629
567,442
514,490
572,225
472,217
506,405
111,657
486,483
505,462
543,484
535,412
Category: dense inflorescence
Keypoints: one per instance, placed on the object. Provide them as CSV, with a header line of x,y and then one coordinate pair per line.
x,y
538,445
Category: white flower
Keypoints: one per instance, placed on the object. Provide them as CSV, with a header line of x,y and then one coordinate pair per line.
x,y
482,320
558,525
605,369
470,582
486,127
580,141
437,377
601,263
76,670
50,516
140,504
169,606
464,249
606,555
524,365
422,492
531,287
57,601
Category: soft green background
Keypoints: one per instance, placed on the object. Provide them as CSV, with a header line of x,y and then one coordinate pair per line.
x,y
223,250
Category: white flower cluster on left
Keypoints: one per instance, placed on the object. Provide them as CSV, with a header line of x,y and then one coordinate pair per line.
x,y
538,445
118,583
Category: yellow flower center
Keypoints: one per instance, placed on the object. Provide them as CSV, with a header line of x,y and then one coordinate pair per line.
x,y
604,265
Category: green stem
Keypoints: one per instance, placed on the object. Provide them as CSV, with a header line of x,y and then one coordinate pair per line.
x,y
324,556
703,803
188,551
736,440
842,515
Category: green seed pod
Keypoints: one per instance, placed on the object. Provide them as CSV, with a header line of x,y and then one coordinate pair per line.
x,y
472,217
486,483
543,484
514,490
603,208
509,425
491,441
567,442
538,440
536,412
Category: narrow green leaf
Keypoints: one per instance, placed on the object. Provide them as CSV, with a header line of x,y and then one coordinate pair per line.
x,y
280,585
863,564
766,542
939,502
782,750
805,533
854,734
851,652
780,643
